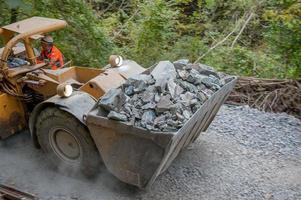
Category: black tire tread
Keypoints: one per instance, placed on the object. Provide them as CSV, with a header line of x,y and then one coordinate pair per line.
x,y
47,118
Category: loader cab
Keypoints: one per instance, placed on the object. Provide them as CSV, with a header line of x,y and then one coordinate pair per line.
x,y
18,39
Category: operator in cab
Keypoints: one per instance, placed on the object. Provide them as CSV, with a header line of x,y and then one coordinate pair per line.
x,y
50,54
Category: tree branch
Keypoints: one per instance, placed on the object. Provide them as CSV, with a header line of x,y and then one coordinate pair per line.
x,y
125,24
242,29
218,44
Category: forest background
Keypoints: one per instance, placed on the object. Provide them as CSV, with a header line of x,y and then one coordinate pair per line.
x,y
260,38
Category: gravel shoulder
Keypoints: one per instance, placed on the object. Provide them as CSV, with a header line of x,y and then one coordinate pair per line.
x,y
245,154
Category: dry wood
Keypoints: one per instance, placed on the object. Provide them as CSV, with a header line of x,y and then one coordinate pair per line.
x,y
270,95
242,29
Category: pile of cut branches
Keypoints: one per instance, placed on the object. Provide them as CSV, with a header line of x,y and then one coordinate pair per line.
x,y
269,95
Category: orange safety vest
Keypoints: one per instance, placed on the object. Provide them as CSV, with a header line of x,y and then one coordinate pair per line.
x,y
55,57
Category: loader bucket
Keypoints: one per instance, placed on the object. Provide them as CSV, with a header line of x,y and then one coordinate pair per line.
x,y
138,156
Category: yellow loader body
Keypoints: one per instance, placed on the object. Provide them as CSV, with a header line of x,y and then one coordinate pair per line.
x,y
12,115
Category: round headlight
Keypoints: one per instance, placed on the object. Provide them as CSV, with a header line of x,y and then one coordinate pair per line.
x,y
64,90
115,61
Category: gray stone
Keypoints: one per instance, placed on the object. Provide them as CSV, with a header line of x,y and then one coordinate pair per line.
x,y
143,77
202,97
180,117
207,70
128,108
193,76
148,118
136,113
201,87
193,102
164,70
214,79
209,82
168,128
171,86
207,92
179,107
172,123
117,116
196,106
129,90
179,90
199,78
139,82
151,105
188,67
133,100
161,84
174,89
188,86
151,81
160,120
113,100
148,79
147,97
180,64
187,114
183,74
187,98
151,89
164,104
222,82
157,98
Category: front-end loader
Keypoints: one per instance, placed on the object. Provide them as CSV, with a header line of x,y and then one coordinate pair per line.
x,y
59,108
29,93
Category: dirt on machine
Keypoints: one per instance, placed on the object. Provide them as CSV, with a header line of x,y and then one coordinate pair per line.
x,y
63,108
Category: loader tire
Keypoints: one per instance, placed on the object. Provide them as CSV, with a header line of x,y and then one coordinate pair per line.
x,y
67,143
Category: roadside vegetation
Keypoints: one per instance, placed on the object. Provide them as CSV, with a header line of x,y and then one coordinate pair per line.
x,y
260,38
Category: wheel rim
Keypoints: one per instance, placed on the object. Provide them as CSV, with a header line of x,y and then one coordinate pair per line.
x,y
65,145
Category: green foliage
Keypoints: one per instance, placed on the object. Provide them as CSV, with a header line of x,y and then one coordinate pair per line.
x,y
187,47
242,61
152,30
284,34
13,4
83,41
152,33
4,14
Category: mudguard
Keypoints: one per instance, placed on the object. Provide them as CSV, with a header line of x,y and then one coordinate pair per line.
x,y
78,105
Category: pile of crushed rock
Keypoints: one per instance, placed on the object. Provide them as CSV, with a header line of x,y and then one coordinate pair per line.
x,y
165,98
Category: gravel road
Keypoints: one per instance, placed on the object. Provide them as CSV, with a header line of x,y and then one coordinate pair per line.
x,y
245,154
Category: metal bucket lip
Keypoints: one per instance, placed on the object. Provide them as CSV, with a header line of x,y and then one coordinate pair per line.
x,y
128,125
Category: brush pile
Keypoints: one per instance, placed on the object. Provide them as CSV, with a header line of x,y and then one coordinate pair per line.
x,y
269,95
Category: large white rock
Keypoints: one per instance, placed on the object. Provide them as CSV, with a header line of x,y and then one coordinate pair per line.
x,y
164,70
